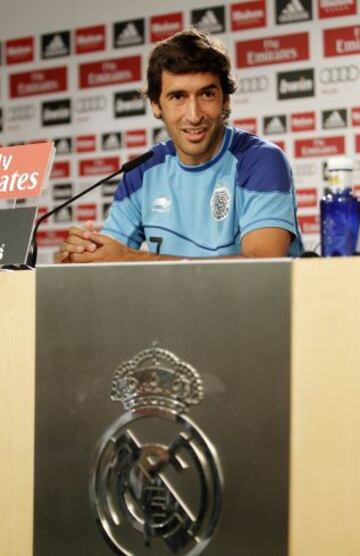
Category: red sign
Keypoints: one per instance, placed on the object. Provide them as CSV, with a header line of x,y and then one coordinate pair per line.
x,y
18,51
51,238
86,212
60,169
90,39
163,26
24,169
302,121
336,8
342,41
248,15
309,224
110,72
249,124
323,146
355,116
357,143
135,138
307,198
99,166
85,143
272,50
38,82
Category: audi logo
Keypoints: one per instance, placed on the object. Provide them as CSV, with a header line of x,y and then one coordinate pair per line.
x,y
339,74
255,84
18,113
90,104
306,169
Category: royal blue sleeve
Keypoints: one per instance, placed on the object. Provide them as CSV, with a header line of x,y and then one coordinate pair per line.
x,y
264,193
124,221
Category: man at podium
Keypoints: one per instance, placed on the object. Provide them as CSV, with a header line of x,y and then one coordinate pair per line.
x,y
211,190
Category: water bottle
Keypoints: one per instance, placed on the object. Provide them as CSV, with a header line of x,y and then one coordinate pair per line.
x,y
339,211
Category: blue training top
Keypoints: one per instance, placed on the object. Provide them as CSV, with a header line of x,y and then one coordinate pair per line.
x,y
206,210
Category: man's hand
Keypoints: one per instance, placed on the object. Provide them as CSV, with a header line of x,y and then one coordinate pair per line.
x,y
84,245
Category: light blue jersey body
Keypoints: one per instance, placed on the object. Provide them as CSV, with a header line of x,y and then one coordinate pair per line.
x,y
206,210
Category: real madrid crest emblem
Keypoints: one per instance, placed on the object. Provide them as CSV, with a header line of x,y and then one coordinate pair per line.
x,y
156,484
220,203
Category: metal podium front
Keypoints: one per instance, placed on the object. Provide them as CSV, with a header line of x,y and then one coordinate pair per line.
x,y
162,409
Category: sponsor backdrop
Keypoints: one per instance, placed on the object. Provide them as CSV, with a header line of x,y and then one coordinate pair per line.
x,y
73,75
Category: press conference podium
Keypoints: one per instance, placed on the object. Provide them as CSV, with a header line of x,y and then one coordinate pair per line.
x,y
275,346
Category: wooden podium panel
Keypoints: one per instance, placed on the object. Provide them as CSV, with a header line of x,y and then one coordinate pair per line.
x,y
17,373
325,402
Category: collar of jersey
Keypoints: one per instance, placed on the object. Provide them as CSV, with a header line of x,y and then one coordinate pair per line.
x,y
223,148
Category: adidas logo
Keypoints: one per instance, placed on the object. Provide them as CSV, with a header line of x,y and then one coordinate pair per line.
x,y
293,11
333,120
275,125
111,141
129,35
63,146
209,23
56,47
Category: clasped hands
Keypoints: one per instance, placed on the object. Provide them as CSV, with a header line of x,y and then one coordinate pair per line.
x,y
85,245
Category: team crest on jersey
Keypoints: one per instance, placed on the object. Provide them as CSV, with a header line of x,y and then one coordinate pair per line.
x,y
220,203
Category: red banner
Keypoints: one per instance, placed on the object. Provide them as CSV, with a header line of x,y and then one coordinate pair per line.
x,y
86,212
163,26
99,166
302,121
19,51
90,39
309,223
323,146
110,72
38,82
85,143
336,8
307,198
135,138
248,15
272,50
60,169
342,41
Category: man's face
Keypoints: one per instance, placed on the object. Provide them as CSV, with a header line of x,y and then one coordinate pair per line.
x,y
191,106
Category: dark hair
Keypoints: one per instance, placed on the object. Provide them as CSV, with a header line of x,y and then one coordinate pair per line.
x,y
189,51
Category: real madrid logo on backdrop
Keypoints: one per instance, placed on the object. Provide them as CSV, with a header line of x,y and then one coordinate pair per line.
x,y
156,482
220,202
